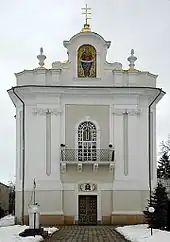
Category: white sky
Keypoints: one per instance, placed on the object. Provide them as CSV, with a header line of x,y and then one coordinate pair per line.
x,y
26,25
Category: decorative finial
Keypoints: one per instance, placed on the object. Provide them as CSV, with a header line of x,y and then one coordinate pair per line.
x,y
86,13
41,57
41,50
132,60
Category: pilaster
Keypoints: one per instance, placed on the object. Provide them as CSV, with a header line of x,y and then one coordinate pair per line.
x,y
52,139
123,133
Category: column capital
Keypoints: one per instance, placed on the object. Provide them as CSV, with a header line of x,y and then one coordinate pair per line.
x,y
126,111
45,111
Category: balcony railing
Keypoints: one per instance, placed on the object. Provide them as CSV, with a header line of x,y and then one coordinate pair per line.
x,y
87,155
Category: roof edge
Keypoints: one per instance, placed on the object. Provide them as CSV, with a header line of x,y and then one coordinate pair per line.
x,y
92,87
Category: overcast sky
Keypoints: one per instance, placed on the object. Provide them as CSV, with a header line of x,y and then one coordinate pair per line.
x,y
26,25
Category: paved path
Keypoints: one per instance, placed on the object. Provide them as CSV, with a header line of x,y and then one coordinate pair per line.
x,y
86,233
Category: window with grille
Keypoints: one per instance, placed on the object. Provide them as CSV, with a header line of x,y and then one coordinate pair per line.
x,y
87,135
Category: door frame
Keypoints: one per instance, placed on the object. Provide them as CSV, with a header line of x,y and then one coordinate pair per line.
x,y
85,195
98,194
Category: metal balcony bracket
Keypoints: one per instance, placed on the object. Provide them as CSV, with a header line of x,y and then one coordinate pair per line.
x,y
95,167
63,167
79,167
111,166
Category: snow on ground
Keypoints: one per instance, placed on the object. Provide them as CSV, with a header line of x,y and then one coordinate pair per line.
x,y
10,232
140,233
7,221
51,230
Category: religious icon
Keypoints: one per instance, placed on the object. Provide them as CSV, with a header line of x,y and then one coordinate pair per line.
x,y
87,187
87,61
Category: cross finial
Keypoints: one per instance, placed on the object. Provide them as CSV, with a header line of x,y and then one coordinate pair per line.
x,y
86,12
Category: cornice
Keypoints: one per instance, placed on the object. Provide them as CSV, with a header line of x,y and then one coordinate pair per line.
x,y
137,72
53,92
39,70
50,88
66,43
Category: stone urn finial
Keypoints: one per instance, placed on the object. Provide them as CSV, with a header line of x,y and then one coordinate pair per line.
x,y
132,60
41,57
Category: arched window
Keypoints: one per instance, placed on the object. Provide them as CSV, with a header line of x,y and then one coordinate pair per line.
x,y
87,141
86,61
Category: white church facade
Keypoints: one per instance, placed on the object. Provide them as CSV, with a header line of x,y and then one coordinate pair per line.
x,y
82,134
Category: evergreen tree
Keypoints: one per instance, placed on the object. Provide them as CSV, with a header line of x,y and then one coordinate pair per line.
x,y
159,200
163,170
11,198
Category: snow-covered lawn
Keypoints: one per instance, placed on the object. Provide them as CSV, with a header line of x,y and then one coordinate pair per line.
x,y
140,233
10,232
7,221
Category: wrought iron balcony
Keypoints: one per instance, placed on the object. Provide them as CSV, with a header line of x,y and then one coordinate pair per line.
x,y
87,155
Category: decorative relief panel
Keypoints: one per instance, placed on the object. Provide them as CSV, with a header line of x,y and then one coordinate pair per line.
x,y
87,187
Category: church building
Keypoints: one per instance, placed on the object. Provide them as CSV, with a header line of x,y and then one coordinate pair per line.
x,y
82,132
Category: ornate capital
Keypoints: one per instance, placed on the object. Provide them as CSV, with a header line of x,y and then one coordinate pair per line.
x,y
131,112
45,111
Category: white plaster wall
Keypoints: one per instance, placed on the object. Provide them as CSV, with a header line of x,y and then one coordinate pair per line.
x,y
106,203
142,140
138,159
69,203
35,151
35,141
35,148
102,175
65,77
50,202
75,114
133,147
154,147
118,145
18,148
135,201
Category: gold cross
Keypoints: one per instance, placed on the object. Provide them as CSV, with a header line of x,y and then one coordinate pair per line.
x,y
86,12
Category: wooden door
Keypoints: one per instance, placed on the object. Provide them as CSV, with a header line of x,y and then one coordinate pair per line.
x,y
88,210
